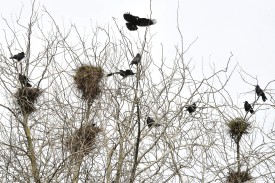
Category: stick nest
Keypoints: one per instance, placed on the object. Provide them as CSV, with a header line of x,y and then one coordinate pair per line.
x,y
87,79
26,98
235,177
237,128
83,139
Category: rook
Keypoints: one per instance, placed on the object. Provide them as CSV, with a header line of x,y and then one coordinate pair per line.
x,y
260,92
134,21
151,122
18,56
191,108
248,107
136,60
123,73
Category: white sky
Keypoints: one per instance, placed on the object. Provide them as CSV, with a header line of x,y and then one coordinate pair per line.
x,y
247,27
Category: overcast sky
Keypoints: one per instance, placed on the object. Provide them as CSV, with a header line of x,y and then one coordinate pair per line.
x,y
246,28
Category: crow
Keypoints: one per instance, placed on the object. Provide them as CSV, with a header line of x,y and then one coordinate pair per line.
x,y
260,92
136,60
248,107
120,72
151,122
129,72
24,80
191,108
123,73
18,57
134,21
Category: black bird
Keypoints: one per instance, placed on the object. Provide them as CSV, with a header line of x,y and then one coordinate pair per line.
x,y
248,107
120,72
110,74
136,60
134,21
18,56
24,80
129,72
123,73
260,92
191,108
151,122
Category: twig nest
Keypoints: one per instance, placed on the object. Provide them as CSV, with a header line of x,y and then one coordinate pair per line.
x,y
237,128
235,177
87,79
83,139
26,98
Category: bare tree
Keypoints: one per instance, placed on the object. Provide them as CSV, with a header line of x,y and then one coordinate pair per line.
x,y
75,124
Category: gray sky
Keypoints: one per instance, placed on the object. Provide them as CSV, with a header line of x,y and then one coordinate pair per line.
x,y
247,27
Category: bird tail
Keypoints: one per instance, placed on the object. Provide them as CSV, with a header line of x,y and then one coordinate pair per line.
x,y
264,97
157,125
154,21
146,22
251,111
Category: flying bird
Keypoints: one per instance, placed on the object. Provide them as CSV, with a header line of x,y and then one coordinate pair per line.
x,y
134,21
151,122
260,92
191,108
136,59
248,107
18,56
123,73
24,80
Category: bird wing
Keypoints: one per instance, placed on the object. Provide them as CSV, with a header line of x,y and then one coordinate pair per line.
x,y
131,27
130,18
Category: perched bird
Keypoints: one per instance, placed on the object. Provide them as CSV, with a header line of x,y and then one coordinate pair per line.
x,y
123,73
248,107
129,72
18,56
191,108
24,80
151,122
260,92
134,21
136,60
